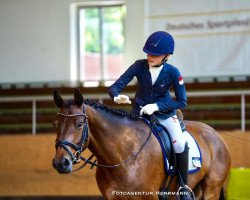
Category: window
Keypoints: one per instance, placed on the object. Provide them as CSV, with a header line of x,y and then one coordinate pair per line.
x,y
101,42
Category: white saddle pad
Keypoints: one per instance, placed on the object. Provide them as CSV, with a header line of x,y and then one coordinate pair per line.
x,y
195,158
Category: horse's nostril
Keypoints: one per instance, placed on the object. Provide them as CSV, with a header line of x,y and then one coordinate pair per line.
x,y
63,166
65,162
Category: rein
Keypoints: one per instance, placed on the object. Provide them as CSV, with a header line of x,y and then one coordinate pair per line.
x,y
79,147
88,161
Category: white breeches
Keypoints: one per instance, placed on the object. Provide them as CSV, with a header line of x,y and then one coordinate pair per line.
x,y
172,124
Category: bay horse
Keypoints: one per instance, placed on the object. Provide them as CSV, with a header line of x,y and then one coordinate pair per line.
x,y
129,155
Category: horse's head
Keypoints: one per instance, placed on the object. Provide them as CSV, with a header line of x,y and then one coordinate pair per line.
x,y
72,132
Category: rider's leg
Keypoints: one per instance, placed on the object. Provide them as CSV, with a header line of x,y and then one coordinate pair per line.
x,y
182,162
172,124
180,146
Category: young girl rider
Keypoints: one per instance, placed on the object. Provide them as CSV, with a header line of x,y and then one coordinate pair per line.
x,y
155,77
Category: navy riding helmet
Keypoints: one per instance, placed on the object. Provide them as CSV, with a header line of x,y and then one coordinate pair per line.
x,y
159,43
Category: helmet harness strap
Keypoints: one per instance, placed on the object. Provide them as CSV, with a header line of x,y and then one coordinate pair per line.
x,y
164,60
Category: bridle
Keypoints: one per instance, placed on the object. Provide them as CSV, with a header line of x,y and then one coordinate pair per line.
x,y
79,148
82,145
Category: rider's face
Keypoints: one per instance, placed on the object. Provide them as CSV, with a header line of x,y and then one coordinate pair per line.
x,y
155,60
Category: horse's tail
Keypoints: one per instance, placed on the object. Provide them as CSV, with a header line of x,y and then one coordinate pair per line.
x,y
222,194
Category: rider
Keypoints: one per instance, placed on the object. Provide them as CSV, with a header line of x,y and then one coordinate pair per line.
x,y
155,77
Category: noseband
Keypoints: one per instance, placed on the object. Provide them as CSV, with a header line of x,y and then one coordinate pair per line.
x,y
77,147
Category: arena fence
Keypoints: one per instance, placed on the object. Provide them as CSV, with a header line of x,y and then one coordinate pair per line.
x,y
102,97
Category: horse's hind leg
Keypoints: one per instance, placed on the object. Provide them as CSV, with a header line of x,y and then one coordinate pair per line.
x,y
212,185
211,193
213,182
215,177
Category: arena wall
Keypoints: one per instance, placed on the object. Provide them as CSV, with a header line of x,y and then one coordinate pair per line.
x,y
35,37
26,169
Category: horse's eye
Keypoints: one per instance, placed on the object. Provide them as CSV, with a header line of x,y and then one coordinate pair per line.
x,y
79,125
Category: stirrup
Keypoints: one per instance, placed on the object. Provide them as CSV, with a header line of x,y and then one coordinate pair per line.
x,y
189,190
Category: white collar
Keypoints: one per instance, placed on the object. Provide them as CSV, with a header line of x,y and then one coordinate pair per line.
x,y
156,68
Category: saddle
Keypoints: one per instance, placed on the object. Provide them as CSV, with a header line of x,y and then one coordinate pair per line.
x,y
169,156
164,139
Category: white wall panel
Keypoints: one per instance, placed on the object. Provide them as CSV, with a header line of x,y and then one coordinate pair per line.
x,y
212,37
34,40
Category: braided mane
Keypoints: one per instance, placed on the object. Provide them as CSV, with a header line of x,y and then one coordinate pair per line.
x,y
117,112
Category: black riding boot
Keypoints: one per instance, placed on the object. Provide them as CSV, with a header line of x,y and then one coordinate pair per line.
x,y
185,193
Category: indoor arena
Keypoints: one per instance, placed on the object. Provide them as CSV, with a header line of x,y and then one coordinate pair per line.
x,y
88,89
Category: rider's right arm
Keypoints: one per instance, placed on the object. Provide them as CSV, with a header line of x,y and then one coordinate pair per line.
x,y
116,88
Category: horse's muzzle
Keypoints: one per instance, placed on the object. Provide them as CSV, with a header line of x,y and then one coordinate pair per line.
x,y
63,166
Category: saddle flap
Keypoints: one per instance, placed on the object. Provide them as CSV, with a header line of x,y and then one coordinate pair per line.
x,y
164,139
195,158
166,146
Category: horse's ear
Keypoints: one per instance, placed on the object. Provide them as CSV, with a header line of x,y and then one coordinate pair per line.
x,y
78,98
58,99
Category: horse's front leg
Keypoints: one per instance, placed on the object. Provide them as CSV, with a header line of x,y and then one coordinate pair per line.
x,y
106,185
112,193
109,194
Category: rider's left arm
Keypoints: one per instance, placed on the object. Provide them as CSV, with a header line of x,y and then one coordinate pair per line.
x,y
180,100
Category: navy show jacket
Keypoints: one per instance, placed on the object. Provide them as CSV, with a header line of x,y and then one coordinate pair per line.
x,y
157,93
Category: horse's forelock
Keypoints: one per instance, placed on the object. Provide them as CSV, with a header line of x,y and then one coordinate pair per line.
x,y
68,103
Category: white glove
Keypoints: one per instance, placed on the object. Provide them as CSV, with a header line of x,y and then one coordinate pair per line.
x,y
149,109
122,99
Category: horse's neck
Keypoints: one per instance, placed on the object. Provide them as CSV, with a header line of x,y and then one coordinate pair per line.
x,y
110,141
